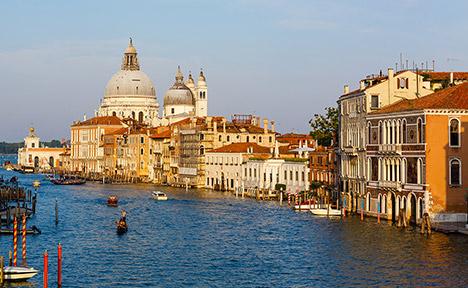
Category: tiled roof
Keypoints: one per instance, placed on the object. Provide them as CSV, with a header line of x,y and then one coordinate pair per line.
x,y
161,135
294,135
455,97
118,131
101,120
445,75
241,148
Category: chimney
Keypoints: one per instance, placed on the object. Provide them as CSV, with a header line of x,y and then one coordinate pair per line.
x,y
361,85
451,78
346,89
265,126
273,126
390,73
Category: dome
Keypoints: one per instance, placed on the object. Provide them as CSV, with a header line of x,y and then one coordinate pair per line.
x,y
179,93
130,83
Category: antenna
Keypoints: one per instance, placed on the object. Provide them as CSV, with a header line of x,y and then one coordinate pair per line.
x,y
396,66
406,64
401,61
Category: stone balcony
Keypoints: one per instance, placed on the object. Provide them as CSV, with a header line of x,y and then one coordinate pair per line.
x,y
394,149
390,184
350,150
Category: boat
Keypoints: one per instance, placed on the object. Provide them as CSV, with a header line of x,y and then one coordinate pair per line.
x,y
325,212
122,227
33,230
112,201
304,206
68,181
36,183
158,195
11,273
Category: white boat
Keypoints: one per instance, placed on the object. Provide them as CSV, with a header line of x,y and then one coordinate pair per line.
x,y
325,212
302,207
160,196
18,273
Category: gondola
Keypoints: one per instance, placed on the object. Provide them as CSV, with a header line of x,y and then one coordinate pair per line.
x,y
122,227
112,201
68,181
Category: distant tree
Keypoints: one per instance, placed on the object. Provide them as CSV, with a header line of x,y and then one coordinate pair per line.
x,y
324,127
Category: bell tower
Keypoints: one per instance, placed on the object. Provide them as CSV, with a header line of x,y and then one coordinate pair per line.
x,y
201,96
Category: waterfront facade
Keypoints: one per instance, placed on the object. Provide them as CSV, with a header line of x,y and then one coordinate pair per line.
x,y
31,155
323,171
224,164
374,93
416,157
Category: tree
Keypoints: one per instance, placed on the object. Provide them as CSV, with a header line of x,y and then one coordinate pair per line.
x,y
325,127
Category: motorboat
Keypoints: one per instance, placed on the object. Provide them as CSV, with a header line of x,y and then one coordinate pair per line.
x,y
112,201
327,211
158,195
12,273
304,206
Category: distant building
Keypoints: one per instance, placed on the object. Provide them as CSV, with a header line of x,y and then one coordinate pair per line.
x,y
32,155
416,157
323,171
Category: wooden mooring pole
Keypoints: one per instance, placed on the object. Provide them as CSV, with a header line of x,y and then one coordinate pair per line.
x,y
2,265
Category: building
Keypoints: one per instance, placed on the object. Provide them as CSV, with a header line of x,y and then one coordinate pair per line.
x,y
224,164
130,93
374,93
441,80
160,160
185,99
295,140
42,158
87,142
323,173
417,159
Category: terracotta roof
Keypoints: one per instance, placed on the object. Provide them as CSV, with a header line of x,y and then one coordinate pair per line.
x,y
241,148
117,131
455,97
101,120
293,135
445,75
161,135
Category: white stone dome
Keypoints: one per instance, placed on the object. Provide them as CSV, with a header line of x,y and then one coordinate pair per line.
x,y
127,83
179,93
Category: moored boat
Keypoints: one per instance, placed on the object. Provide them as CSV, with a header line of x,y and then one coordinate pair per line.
x,y
18,273
158,195
68,181
325,212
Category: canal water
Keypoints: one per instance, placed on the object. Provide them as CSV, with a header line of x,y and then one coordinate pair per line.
x,y
209,239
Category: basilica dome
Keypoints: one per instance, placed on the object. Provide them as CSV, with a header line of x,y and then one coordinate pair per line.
x,y
179,93
130,83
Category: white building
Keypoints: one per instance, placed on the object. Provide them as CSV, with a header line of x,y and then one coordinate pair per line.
x,y
130,93
184,100
32,155
224,165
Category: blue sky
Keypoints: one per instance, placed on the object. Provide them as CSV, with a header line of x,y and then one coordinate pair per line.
x,y
284,60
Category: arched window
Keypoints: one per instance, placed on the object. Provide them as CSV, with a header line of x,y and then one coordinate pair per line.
x,y
380,133
133,114
204,94
140,116
454,133
202,150
114,113
455,172
369,131
201,94
420,132
403,131
420,171
260,139
247,139
220,138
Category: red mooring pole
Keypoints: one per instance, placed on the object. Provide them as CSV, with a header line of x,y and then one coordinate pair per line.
x,y
46,269
59,265
15,241
23,241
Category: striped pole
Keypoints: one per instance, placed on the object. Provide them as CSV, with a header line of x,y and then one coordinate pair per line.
x,y
289,199
59,265
46,270
15,241
23,241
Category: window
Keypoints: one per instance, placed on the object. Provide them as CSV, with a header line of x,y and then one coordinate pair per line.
x,y
142,151
172,110
260,139
454,133
140,116
285,175
228,138
402,83
220,138
142,140
369,131
297,176
420,133
202,150
291,175
271,139
403,129
455,172
247,139
114,114
375,101
133,114
250,172
380,133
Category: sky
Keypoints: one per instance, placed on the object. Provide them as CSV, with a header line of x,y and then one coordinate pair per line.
x,y
281,60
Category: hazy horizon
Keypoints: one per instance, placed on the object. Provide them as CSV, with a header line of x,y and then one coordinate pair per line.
x,y
282,60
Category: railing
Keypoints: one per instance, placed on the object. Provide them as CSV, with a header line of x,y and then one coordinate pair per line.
x,y
390,184
350,150
390,148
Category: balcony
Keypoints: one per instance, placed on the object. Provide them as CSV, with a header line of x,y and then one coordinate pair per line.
x,y
394,185
390,149
350,150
